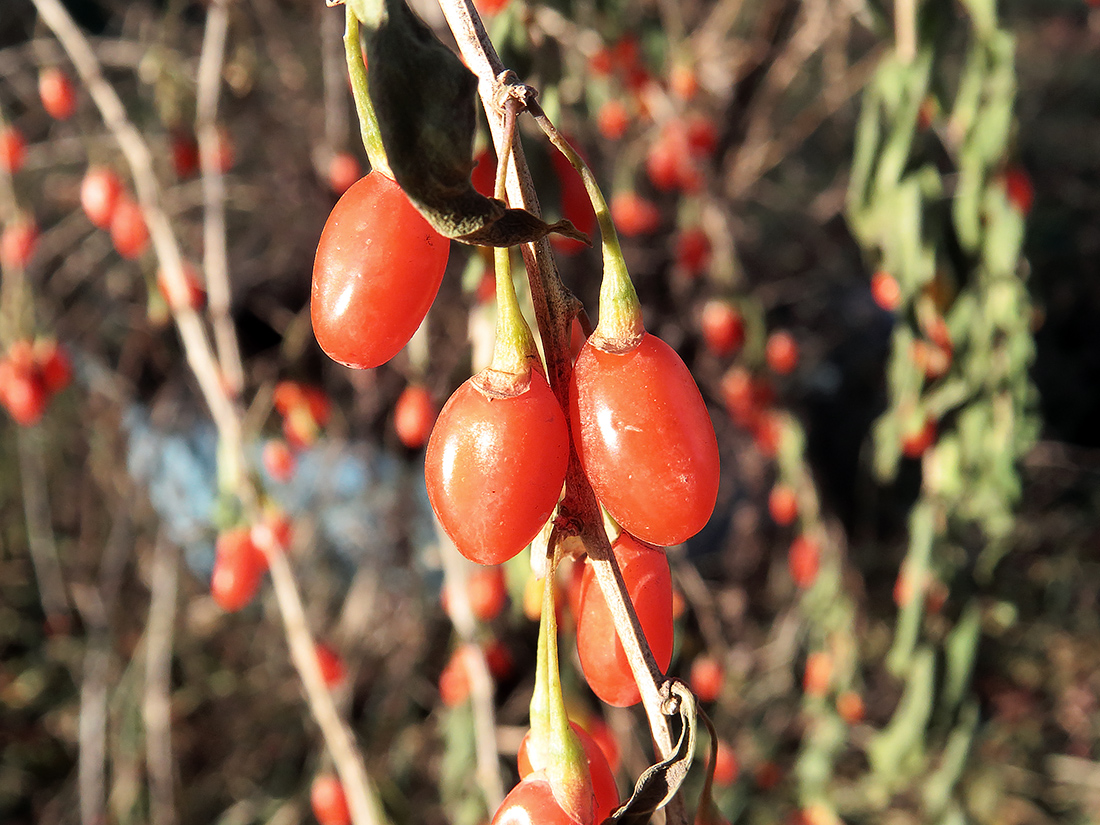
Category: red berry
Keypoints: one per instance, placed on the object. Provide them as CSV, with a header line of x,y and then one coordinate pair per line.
x,y
783,505
914,444
129,233
17,243
693,250
332,667
683,82
21,389
613,119
99,193
723,329
781,352
649,584
605,790
484,176
192,293
54,366
488,592
1021,194
454,681
343,171
13,150
819,673
327,799
702,136
726,766
885,290
499,660
414,416
495,466
634,215
803,561
185,153
278,460
706,678
378,267
238,569
849,705
57,93
645,440
488,8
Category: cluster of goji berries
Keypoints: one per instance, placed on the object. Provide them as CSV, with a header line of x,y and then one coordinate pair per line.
x,y
30,375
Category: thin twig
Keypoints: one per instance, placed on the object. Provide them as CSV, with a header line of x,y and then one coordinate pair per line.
x,y
362,799
156,705
361,795
40,538
197,349
215,253
555,309
456,572
334,74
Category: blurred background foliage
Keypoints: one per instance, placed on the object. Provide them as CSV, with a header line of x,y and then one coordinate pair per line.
x,y
736,122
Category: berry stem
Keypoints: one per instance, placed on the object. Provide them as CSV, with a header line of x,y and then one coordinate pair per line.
x,y
555,748
620,324
368,122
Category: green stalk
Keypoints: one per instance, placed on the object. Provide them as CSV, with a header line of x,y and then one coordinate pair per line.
x,y
553,746
514,346
620,325
368,122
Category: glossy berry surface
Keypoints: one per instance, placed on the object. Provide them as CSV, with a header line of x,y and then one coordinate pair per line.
x,y
99,194
649,584
495,467
532,802
645,440
378,267
603,779
326,797
57,93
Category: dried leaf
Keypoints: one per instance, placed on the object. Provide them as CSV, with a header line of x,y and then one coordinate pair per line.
x,y
660,782
424,98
